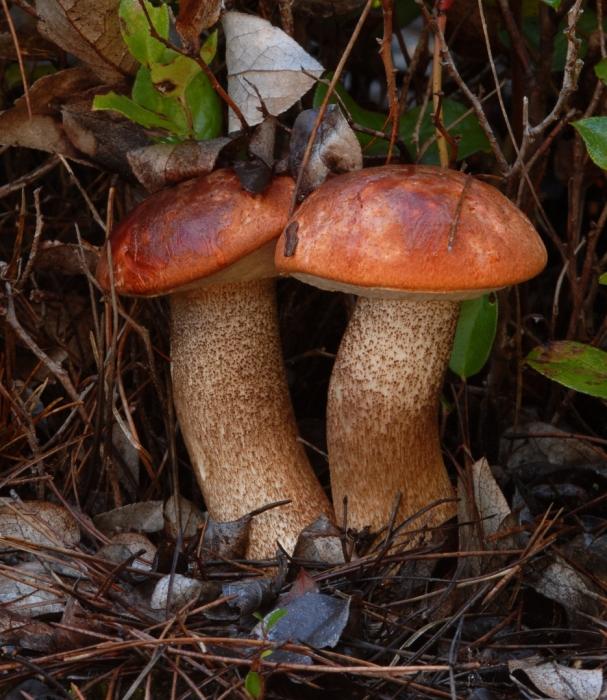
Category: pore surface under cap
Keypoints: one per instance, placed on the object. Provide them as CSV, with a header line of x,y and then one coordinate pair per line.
x,y
191,231
391,228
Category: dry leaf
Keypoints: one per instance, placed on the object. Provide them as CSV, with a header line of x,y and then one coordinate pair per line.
x,y
563,584
182,515
193,17
124,545
483,516
228,540
264,62
560,682
166,164
24,633
142,517
336,148
320,542
177,590
38,522
89,30
44,130
106,137
28,590
67,258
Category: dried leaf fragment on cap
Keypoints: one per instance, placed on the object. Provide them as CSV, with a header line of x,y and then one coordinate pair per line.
x,y
264,63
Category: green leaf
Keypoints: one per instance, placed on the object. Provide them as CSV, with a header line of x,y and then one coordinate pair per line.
x,y
601,70
273,617
253,684
474,335
209,48
471,137
574,365
204,107
594,132
136,30
603,278
554,4
173,77
131,110
146,95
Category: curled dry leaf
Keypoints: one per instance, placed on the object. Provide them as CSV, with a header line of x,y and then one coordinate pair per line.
x,y
482,510
228,540
164,164
29,591
105,137
193,17
249,595
563,584
89,30
39,523
181,515
141,517
336,148
173,592
554,680
124,545
320,543
264,64
44,130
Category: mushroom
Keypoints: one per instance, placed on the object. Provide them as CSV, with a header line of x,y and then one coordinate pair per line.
x,y
210,244
412,242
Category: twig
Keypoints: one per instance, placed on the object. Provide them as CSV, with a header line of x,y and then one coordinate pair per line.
x,y
29,178
15,39
437,85
386,57
573,67
35,243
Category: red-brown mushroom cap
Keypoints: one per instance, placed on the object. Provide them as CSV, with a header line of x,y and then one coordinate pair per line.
x,y
391,231
183,234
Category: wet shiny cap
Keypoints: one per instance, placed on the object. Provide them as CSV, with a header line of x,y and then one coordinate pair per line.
x,y
208,226
407,230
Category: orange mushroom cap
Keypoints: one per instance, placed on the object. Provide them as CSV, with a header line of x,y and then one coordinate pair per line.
x,y
189,232
414,229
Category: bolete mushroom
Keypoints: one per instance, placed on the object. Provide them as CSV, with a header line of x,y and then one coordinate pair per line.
x,y
210,245
411,242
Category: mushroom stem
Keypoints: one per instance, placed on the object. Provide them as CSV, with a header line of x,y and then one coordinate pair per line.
x,y
382,411
235,413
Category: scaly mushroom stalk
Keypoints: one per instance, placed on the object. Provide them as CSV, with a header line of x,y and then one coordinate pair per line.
x,y
382,429
242,437
411,241
210,245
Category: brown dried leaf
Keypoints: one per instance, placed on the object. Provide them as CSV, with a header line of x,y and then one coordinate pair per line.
x,y
67,258
24,633
175,590
105,137
90,30
560,682
44,130
141,517
320,542
336,148
483,517
165,164
193,17
228,540
28,590
124,545
181,514
39,523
